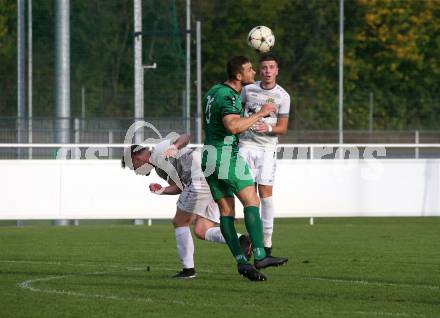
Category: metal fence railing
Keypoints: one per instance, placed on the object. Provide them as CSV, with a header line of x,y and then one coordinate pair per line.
x,y
100,130
316,151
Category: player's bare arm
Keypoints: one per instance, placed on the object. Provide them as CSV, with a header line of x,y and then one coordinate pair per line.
x,y
236,124
181,142
172,189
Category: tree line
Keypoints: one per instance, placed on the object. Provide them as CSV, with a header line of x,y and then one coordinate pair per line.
x,y
391,50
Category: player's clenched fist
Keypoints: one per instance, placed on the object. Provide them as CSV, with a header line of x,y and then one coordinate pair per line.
x,y
155,188
266,109
171,151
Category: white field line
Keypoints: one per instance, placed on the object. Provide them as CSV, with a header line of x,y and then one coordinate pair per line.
x,y
121,266
374,283
59,263
28,285
381,314
336,280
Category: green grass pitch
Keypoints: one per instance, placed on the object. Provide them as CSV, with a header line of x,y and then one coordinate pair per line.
x,y
342,267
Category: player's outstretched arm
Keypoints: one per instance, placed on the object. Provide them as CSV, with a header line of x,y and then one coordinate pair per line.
x,y
236,124
182,141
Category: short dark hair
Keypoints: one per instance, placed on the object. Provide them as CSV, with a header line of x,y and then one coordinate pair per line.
x,y
131,151
235,66
268,57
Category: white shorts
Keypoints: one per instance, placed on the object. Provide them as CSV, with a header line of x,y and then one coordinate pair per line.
x,y
197,198
262,162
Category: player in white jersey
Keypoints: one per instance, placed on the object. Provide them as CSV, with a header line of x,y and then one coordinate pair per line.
x,y
258,145
181,168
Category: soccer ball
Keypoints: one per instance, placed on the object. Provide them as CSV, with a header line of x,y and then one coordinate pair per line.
x,y
261,39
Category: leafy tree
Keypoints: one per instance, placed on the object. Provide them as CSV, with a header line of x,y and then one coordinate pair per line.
x,y
308,47
8,53
393,51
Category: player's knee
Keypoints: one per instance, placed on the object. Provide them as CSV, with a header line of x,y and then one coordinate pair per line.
x,y
175,222
265,191
249,197
252,201
179,221
200,232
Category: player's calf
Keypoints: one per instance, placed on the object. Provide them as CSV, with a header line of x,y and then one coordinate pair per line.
x,y
246,245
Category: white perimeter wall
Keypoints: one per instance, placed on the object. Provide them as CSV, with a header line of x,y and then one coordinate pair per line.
x,y
100,189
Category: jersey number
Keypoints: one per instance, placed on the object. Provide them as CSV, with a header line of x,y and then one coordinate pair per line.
x,y
208,109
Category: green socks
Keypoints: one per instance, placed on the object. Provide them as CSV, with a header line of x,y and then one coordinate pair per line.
x,y
254,227
227,227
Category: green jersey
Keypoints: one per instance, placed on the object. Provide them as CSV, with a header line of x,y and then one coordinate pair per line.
x,y
225,171
219,101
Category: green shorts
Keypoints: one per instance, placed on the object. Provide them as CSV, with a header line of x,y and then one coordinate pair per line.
x,y
226,176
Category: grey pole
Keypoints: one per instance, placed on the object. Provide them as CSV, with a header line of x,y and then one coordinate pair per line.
x,y
138,76
199,82
62,70
188,66
183,109
83,107
20,78
110,141
62,76
417,141
30,137
341,71
138,69
371,110
77,152
20,72
77,137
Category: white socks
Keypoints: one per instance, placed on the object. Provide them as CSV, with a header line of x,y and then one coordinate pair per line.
x,y
185,246
185,243
214,234
267,216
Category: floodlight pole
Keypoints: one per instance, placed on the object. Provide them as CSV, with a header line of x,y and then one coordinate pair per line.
x,y
341,71
21,94
62,71
188,67
21,63
138,69
62,76
199,82
83,107
370,116
30,110
138,77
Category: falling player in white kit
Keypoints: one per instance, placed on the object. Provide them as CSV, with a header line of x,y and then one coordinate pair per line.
x,y
180,167
258,145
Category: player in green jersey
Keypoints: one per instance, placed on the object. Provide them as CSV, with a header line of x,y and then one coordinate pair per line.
x,y
226,172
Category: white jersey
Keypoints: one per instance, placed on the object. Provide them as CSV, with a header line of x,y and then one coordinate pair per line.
x,y
184,168
185,171
176,168
253,96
